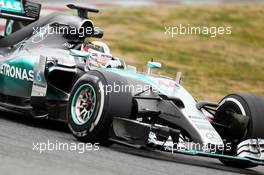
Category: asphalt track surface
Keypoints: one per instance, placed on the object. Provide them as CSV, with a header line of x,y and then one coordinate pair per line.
x,y
17,157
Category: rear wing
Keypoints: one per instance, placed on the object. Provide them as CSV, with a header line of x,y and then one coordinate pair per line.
x,y
18,14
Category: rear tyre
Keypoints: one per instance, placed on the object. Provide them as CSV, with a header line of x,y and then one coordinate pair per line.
x,y
246,105
91,110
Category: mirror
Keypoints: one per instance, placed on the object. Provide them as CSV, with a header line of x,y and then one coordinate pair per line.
x,y
154,65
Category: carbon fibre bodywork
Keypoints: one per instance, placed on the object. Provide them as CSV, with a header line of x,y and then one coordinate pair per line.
x,y
38,74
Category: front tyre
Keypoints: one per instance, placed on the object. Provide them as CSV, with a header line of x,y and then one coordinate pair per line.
x,y
246,105
91,110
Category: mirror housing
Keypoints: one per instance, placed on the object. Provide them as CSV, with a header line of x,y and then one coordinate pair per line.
x,y
153,65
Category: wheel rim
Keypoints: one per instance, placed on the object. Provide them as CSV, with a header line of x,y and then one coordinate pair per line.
x,y
83,104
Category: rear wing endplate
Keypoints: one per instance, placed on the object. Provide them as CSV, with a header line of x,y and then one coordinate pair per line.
x,y
18,13
19,10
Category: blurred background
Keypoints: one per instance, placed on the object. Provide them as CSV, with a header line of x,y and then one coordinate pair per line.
x,y
212,67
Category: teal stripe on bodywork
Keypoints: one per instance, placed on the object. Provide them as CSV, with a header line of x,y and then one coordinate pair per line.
x,y
17,85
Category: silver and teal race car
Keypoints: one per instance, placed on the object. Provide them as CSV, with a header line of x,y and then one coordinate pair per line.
x,y
46,72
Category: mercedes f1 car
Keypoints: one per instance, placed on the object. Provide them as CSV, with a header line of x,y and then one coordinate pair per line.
x,y
58,75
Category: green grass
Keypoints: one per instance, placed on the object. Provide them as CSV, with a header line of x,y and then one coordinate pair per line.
x,y
212,67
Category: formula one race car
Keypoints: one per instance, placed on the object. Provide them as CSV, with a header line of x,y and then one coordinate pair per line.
x,y
48,70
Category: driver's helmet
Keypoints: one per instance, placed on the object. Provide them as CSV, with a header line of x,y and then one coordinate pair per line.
x,y
100,54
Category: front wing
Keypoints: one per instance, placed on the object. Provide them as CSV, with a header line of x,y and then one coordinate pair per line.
x,y
136,134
